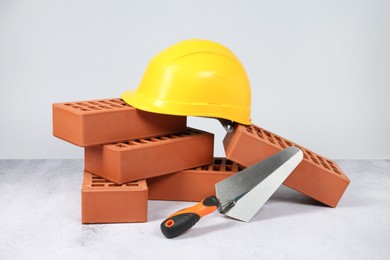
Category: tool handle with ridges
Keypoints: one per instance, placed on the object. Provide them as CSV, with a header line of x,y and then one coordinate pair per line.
x,y
182,220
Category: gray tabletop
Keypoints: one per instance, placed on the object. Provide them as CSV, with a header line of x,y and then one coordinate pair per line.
x,y
40,218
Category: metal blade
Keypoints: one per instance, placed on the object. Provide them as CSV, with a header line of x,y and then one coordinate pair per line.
x,y
244,193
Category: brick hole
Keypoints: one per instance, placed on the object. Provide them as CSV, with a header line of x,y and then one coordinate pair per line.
x,y
98,180
228,162
205,167
139,141
309,153
121,145
282,145
305,151
190,132
68,104
105,107
314,160
229,168
305,156
96,177
257,129
114,185
326,166
288,143
240,168
119,101
249,129
84,109
267,133
216,167
260,135
118,106
111,103
132,184
330,163
93,103
97,185
271,140
217,161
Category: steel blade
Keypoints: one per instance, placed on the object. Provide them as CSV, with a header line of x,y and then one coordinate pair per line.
x,y
247,191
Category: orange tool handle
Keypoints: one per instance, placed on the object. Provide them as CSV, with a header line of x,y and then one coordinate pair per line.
x,y
182,220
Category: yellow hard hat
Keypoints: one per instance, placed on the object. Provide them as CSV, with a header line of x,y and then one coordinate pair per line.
x,y
194,78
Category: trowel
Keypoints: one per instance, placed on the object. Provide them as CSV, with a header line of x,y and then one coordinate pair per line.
x,y
241,195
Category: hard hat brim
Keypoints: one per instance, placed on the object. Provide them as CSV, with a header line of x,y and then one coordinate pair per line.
x,y
170,107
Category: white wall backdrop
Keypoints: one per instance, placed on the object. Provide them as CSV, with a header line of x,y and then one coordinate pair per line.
x,y
319,70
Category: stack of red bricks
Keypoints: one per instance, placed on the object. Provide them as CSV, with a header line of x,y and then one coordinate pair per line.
x,y
132,156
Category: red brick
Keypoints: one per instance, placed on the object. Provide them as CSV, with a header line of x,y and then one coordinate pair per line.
x,y
316,176
193,184
88,123
103,201
149,157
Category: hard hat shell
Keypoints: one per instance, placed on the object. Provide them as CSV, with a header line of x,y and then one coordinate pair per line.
x,y
194,78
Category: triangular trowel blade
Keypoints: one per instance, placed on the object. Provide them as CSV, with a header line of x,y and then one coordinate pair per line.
x,y
250,203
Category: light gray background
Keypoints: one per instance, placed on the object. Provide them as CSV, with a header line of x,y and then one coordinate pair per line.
x,y
319,70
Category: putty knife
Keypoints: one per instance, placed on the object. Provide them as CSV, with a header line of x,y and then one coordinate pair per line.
x,y
241,195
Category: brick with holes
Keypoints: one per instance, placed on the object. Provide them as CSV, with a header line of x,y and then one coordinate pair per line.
x,y
88,123
193,184
316,176
103,201
149,157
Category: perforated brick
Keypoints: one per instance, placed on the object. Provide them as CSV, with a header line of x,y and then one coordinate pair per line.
x,y
88,123
149,157
316,176
103,201
193,184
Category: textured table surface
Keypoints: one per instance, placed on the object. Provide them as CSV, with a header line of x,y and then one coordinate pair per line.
x,y
40,218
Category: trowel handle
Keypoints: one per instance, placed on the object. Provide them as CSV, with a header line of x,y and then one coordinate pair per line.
x,y
179,222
